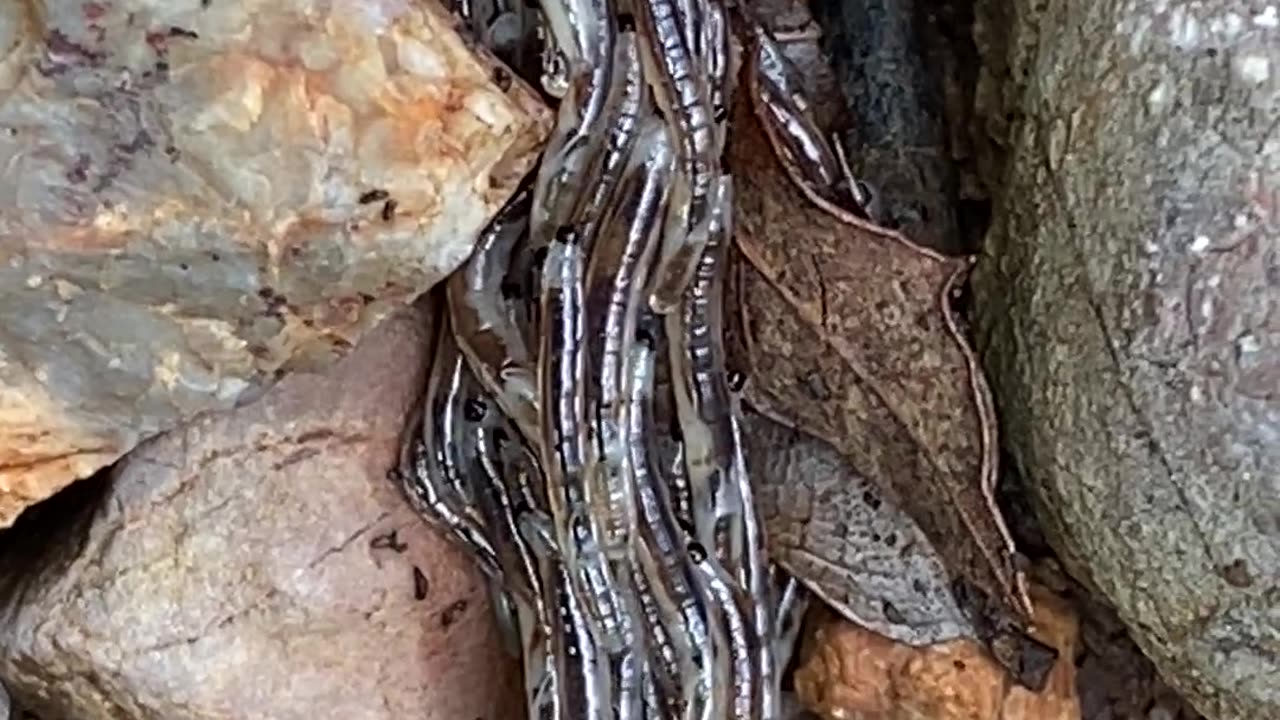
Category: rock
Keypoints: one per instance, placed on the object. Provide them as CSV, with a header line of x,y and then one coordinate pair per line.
x,y
259,564
1129,316
201,196
851,672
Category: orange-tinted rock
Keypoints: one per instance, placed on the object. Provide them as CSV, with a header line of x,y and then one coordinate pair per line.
x,y
849,673
198,197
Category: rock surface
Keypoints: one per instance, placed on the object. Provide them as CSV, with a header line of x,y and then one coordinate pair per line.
x,y
199,197
258,564
851,672
1129,313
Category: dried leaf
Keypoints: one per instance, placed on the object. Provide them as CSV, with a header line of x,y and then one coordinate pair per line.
x,y
832,529
847,333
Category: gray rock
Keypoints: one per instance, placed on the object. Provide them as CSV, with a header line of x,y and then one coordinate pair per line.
x,y
1129,313
181,215
259,564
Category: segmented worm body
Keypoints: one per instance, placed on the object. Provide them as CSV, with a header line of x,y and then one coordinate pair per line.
x,y
629,562
696,665
483,322
620,261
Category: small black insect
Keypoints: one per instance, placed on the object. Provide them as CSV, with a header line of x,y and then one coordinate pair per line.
x,y
373,196
474,409
388,541
183,33
421,585
389,210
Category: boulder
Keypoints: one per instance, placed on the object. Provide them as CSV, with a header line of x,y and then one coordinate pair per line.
x,y
198,197
1128,313
257,564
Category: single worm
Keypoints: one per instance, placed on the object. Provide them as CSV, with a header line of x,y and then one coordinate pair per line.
x,y
562,366
756,581
663,666
681,89
497,500
793,603
434,484
482,319
578,668
630,96
744,695
701,392
683,607
576,140
787,118
619,262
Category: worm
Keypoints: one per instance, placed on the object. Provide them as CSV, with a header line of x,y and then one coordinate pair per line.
x,y
576,140
756,581
681,90
697,665
618,264
793,602
699,385
744,693
497,500
580,682
787,118
561,377
433,484
630,97
482,319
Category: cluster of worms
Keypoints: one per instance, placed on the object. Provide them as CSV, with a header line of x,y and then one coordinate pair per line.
x,y
580,434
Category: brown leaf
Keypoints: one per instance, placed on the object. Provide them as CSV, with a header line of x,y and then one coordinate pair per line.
x,y
847,333
836,533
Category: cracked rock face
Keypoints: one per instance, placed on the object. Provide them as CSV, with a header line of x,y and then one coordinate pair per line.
x,y
200,197
1129,309
258,564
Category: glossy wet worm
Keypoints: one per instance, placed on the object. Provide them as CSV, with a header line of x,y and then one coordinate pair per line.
x,y
434,483
693,672
628,559
619,262
482,320
680,85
